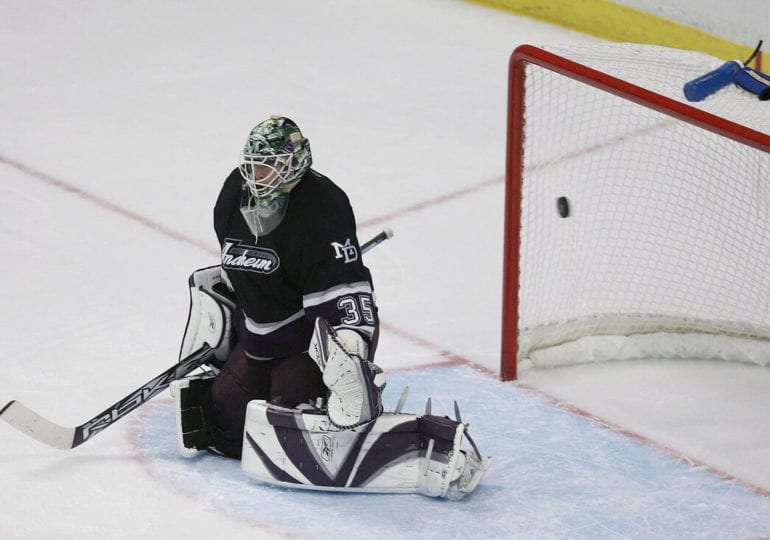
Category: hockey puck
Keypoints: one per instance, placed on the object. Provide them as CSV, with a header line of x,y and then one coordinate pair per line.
x,y
562,205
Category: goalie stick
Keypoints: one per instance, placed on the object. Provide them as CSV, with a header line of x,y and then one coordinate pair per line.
x,y
376,240
43,430
32,424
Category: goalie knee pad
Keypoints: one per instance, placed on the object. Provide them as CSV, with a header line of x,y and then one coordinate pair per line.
x,y
396,453
191,425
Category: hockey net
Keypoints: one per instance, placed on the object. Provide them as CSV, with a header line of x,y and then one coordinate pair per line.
x,y
665,251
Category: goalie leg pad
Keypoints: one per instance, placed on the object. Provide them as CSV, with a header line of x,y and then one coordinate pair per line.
x,y
396,453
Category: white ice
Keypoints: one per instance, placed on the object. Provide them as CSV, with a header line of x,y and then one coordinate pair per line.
x,y
119,122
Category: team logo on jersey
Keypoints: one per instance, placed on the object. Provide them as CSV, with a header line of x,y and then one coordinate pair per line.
x,y
346,251
239,256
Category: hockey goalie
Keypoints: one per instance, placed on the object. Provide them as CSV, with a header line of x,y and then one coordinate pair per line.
x,y
290,313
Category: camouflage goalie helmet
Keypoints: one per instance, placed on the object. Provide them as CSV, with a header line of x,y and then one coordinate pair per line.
x,y
274,158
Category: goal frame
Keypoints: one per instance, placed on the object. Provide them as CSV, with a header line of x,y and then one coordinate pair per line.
x,y
529,54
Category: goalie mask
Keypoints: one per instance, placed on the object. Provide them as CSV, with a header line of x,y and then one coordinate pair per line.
x,y
274,159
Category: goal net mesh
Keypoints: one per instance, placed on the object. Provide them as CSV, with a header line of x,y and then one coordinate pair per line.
x,y
666,248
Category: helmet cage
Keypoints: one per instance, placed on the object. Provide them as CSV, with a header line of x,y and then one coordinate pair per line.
x,y
264,174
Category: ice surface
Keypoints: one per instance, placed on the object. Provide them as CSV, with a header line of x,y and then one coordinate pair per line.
x,y
119,123
554,474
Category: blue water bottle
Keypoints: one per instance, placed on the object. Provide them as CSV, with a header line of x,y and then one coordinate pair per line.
x,y
713,81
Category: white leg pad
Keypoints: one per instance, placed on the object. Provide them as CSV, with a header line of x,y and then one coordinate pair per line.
x,y
396,453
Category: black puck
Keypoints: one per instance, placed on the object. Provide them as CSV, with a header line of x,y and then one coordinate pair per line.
x,y
562,205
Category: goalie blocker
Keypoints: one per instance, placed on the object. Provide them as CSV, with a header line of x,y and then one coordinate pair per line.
x,y
209,321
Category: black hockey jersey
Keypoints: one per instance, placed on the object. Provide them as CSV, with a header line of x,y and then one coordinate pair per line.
x,y
309,266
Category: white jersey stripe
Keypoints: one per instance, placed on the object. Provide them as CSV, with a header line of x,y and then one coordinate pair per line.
x,y
315,299
263,329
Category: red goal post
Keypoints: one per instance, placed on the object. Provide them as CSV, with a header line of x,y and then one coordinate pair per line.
x,y
575,116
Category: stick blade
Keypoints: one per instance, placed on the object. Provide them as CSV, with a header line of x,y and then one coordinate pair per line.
x,y
33,425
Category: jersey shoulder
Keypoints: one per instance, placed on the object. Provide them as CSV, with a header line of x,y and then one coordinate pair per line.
x,y
323,207
322,218
231,190
319,190
227,201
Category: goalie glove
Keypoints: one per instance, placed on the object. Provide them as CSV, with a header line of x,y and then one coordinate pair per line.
x,y
355,384
210,317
